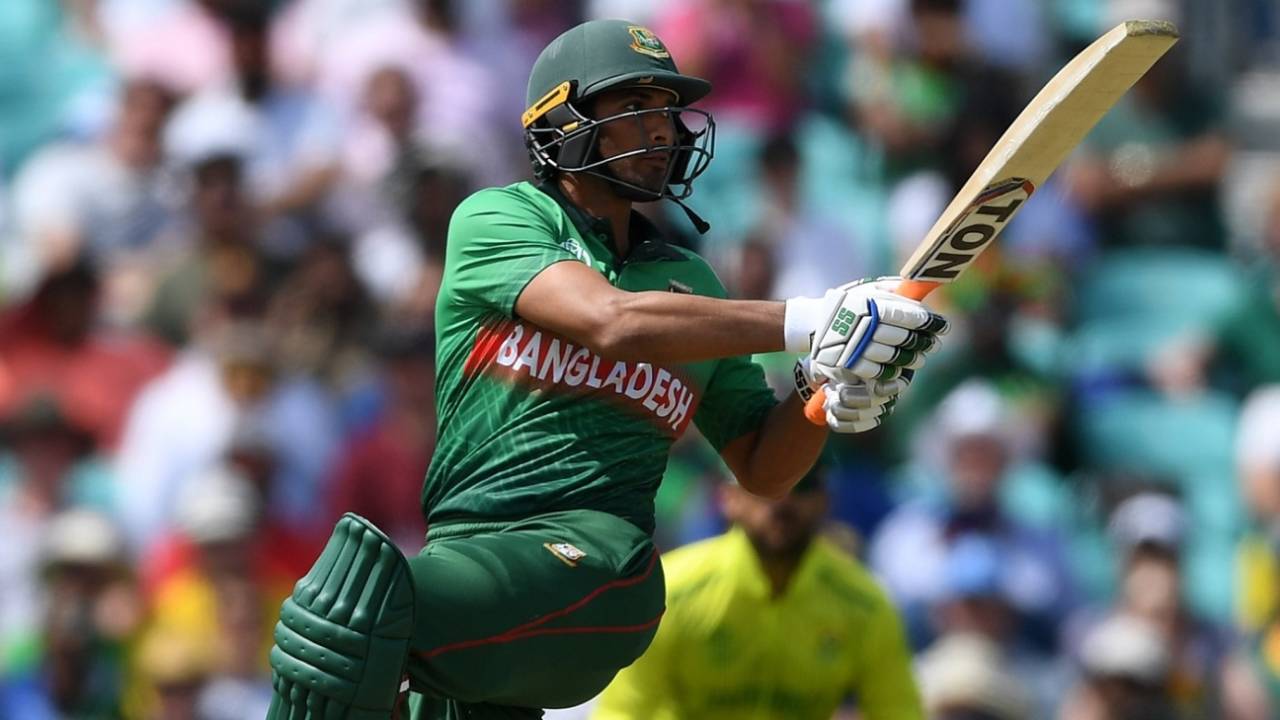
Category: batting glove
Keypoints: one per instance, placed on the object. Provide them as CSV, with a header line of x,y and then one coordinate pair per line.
x,y
851,407
862,331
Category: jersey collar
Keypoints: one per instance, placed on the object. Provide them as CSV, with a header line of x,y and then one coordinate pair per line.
x,y
749,573
648,244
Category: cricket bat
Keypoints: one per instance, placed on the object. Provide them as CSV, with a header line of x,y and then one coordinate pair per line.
x,y
1055,121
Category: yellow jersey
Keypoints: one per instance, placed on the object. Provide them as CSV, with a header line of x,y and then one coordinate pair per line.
x,y
728,649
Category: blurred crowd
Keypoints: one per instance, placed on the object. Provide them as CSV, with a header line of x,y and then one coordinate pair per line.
x,y
222,226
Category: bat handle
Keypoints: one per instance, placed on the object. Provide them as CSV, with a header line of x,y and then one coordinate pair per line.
x,y
914,289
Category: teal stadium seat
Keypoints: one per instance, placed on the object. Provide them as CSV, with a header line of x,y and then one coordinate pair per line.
x,y
1193,286
1130,304
1121,343
727,195
1141,430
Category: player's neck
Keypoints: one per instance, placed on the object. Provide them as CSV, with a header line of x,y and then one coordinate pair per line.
x,y
779,570
593,196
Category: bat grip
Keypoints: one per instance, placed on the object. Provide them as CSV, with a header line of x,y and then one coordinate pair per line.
x,y
814,412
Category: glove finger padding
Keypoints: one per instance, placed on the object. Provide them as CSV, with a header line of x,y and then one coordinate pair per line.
x,y
858,407
901,312
863,370
891,355
860,396
916,340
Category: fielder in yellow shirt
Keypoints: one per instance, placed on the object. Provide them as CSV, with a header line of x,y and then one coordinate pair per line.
x,y
768,621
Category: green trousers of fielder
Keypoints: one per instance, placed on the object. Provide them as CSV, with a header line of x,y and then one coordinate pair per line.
x,y
488,621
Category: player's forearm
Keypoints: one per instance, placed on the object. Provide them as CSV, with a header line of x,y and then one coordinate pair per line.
x,y
784,449
663,327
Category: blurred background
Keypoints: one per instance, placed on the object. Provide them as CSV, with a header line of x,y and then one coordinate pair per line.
x,y
222,224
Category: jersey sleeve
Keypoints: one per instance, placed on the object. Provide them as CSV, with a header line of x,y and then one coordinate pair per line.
x,y
498,241
735,402
883,682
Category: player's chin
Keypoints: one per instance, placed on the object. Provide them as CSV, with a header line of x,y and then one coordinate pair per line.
x,y
649,176
787,540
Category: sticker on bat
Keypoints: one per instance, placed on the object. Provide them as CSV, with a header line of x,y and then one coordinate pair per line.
x,y
969,235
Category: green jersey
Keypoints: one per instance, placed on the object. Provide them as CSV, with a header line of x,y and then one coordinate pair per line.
x,y
531,422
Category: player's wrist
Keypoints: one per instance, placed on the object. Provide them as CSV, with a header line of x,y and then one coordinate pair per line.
x,y
800,318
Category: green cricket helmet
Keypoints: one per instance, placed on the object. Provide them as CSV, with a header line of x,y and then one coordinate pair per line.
x,y
602,55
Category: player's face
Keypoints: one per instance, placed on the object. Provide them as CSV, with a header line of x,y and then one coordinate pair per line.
x,y
645,130
777,528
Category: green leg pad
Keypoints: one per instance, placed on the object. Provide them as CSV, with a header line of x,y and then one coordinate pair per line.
x,y
343,638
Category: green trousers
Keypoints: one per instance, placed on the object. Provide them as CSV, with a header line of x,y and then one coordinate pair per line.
x,y
540,613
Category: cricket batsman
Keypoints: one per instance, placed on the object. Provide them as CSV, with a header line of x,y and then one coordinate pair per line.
x,y
574,346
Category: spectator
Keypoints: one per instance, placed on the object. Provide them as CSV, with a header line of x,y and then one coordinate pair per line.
x,y
1251,682
319,317
384,137
1125,666
910,550
978,601
46,467
813,252
993,355
908,102
286,139
304,30
185,44
53,344
1150,172
769,621
1148,530
55,80
176,669
458,102
91,611
756,270
216,583
398,194
221,263
1258,465
230,373
379,473
1241,349
965,677
755,53
102,200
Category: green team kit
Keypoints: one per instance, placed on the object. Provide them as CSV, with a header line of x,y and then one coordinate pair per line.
x,y
539,579
529,421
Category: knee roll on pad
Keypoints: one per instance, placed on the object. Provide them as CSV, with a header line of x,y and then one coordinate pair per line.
x,y
342,641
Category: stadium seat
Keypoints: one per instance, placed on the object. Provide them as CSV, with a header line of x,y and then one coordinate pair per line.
x,y
1193,286
1123,343
1143,431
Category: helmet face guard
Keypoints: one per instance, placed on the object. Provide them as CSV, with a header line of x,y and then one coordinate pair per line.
x,y
562,139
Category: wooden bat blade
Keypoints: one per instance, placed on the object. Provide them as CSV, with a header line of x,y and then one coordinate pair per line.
x,y
1051,125
1055,121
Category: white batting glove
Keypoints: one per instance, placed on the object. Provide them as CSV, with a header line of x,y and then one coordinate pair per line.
x,y
851,407
862,331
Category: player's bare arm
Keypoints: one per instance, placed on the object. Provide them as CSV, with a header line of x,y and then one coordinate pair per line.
x,y
770,461
659,327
